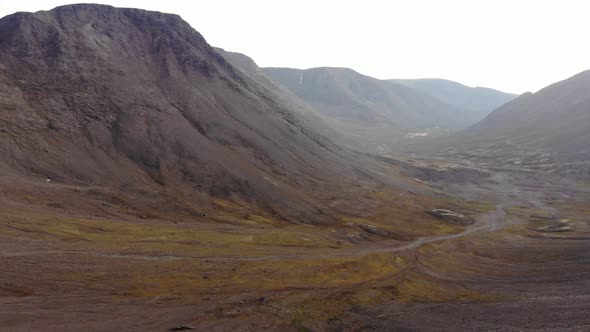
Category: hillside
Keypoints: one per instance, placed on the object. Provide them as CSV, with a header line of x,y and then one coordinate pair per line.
x,y
329,127
556,119
138,102
547,130
477,101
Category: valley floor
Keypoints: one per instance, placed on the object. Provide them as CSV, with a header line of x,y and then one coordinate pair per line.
x,y
523,265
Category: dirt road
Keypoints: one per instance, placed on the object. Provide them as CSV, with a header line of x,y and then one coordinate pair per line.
x,y
490,221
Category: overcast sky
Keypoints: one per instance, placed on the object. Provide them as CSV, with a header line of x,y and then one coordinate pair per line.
x,y
511,45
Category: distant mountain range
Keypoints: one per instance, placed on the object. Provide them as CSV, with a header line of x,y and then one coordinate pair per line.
x,y
346,95
476,102
374,113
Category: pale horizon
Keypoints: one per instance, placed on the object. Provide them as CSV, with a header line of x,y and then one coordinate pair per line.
x,y
512,47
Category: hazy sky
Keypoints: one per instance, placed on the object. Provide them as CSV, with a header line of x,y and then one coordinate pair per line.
x,y
512,45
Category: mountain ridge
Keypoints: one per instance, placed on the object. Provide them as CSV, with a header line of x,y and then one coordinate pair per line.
x,y
354,96
478,101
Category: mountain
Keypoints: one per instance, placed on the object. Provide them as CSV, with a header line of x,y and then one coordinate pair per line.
x,y
371,115
285,96
556,119
380,115
548,130
137,102
478,102
345,95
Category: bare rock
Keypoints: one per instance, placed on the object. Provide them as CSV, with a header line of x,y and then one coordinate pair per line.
x,y
447,215
371,229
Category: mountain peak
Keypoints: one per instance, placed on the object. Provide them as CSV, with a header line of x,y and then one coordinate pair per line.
x,y
129,97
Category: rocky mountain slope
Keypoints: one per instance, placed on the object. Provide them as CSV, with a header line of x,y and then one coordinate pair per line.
x,y
555,120
335,130
477,102
138,102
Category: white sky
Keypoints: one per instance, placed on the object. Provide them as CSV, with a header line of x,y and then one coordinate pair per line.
x,y
511,45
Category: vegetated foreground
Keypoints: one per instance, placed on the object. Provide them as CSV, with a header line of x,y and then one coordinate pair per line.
x,y
520,265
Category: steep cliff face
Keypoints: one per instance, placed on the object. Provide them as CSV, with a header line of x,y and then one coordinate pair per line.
x,y
93,94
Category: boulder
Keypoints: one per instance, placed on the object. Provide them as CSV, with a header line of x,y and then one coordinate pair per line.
x,y
447,215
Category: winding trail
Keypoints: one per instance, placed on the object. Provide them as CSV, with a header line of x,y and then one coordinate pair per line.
x,y
488,222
